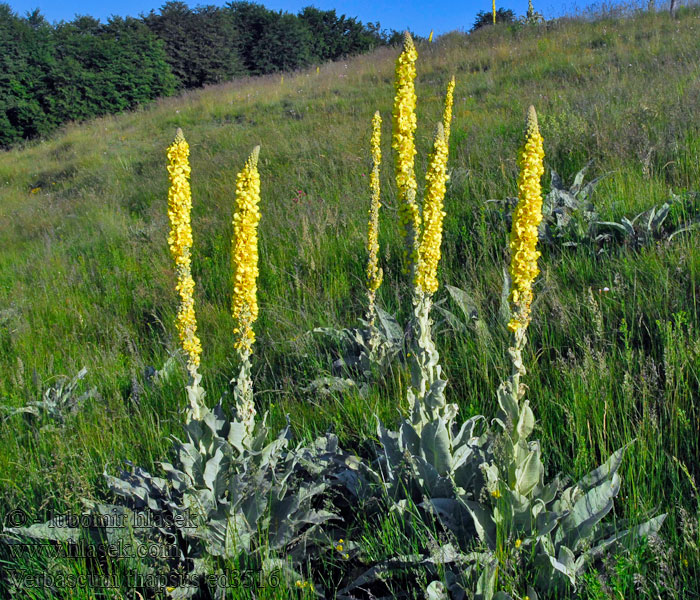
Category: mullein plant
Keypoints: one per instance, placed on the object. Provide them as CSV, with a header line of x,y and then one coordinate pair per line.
x,y
244,305
404,128
381,338
484,481
180,243
425,397
374,271
365,348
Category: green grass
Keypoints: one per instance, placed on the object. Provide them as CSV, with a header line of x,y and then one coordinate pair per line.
x,y
86,278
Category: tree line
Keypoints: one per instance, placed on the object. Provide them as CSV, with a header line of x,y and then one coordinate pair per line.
x,y
53,73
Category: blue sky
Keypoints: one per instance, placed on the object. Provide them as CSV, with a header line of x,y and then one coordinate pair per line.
x,y
420,16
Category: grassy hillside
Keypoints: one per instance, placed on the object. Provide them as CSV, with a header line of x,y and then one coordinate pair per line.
x,y
86,278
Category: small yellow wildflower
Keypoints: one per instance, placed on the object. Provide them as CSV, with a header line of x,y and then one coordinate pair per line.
x,y
431,239
493,8
180,242
526,220
430,37
244,306
404,127
374,272
496,494
518,543
35,190
339,547
346,556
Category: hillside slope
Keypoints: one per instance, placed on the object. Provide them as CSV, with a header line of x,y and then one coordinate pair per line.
x,y
86,279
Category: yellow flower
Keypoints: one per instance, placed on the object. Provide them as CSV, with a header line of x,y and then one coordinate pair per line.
x,y
526,220
431,239
180,242
404,127
374,272
244,306
493,8
518,543
496,494
430,37
447,114
339,547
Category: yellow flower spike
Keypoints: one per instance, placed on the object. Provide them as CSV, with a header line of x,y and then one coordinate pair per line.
x,y
518,543
429,250
374,271
180,243
493,8
447,113
526,220
244,306
430,37
404,127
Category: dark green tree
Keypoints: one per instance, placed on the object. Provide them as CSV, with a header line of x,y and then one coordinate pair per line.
x,y
26,57
484,18
202,45
104,69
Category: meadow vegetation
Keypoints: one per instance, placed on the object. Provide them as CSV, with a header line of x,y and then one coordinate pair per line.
x,y
613,357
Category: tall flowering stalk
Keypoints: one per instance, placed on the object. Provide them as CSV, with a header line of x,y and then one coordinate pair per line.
x,y
180,242
523,271
374,271
244,305
526,221
404,127
493,10
447,112
433,214
426,399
